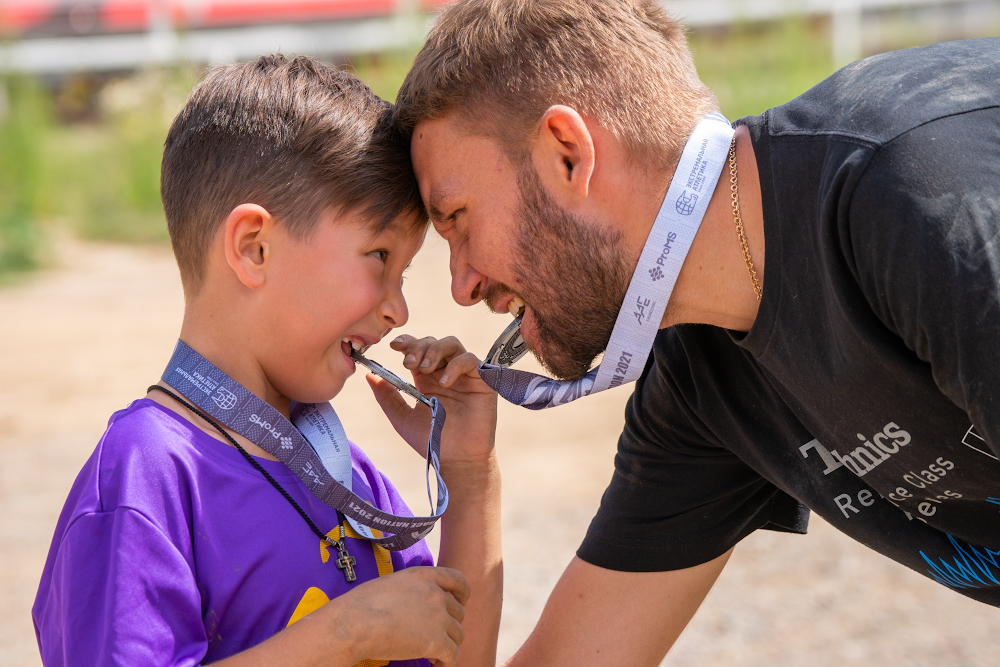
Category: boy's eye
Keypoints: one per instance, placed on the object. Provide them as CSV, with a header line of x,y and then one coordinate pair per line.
x,y
380,255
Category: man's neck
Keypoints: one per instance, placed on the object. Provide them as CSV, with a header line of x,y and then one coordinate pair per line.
x,y
714,285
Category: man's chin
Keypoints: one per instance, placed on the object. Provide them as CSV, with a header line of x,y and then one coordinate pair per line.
x,y
558,362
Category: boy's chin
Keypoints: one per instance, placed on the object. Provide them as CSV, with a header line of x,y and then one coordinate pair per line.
x,y
322,391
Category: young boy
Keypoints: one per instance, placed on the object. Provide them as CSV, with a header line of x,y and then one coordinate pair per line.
x,y
292,212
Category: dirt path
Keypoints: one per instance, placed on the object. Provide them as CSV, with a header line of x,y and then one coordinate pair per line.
x,y
83,340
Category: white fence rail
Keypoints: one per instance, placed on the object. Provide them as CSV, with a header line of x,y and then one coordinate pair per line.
x,y
164,46
65,55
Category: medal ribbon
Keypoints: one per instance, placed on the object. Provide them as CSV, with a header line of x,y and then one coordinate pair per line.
x,y
652,283
237,408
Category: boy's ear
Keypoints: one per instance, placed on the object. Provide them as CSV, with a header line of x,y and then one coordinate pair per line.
x,y
248,233
564,154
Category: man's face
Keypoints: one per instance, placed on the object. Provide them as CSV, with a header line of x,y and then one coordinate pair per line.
x,y
509,239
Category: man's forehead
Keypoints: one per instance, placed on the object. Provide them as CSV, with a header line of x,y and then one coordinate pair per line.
x,y
436,130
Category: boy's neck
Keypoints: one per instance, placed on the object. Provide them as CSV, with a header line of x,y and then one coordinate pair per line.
x,y
227,342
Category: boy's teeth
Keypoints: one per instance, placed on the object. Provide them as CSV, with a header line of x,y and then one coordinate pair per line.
x,y
516,306
354,346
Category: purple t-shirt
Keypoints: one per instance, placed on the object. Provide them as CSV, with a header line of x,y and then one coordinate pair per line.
x,y
173,550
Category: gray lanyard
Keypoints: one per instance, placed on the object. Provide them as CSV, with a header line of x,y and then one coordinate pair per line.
x,y
652,283
237,408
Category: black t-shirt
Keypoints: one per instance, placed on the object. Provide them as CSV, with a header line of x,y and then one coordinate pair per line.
x,y
868,388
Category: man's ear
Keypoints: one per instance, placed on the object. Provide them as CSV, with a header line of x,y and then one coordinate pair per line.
x,y
249,233
564,155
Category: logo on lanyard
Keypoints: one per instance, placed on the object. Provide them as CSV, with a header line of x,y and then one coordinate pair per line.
x,y
686,202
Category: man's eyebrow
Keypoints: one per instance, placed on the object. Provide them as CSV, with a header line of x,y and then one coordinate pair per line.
x,y
435,201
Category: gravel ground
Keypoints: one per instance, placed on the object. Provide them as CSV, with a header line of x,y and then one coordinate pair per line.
x,y
87,337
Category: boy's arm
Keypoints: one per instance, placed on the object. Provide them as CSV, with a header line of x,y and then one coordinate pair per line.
x,y
470,529
470,543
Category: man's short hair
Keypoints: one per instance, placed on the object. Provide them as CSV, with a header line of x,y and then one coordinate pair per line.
x,y
501,63
295,136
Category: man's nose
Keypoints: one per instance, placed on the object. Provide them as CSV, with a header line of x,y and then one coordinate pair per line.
x,y
466,283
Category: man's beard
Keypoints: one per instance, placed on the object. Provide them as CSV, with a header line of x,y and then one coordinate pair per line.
x,y
573,274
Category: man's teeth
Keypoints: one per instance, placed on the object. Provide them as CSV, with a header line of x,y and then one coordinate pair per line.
x,y
354,345
516,306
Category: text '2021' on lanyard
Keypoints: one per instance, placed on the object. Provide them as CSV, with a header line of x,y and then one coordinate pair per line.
x,y
315,448
652,283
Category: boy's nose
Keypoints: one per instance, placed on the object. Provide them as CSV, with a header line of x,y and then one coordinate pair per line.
x,y
393,310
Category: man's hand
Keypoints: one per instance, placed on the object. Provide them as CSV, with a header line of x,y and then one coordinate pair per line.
x,y
442,368
604,618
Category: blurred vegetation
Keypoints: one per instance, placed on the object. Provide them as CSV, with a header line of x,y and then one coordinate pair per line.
x,y
85,155
24,127
754,67
103,172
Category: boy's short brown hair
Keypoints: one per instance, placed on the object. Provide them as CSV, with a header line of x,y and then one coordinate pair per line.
x,y
294,136
501,63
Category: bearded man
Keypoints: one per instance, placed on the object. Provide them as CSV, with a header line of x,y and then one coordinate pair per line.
x,y
823,289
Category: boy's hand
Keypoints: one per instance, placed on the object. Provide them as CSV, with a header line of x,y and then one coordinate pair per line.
x,y
413,613
442,368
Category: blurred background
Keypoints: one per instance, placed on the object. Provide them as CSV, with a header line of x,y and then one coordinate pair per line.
x,y
90,302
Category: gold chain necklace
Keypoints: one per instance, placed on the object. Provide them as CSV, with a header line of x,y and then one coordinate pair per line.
x,y
734,189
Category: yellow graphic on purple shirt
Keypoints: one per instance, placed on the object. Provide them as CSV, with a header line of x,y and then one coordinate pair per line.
x,y
315,598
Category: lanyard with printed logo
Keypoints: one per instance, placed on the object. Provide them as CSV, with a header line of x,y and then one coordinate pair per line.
x,y
648,292
315,448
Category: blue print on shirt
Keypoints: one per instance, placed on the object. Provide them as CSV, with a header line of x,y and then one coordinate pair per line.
x,y
973,567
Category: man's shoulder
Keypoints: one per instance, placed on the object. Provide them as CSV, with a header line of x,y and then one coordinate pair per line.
x,y
694,376
879,98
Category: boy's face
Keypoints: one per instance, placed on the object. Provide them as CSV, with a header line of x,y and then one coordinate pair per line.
x,y
338,284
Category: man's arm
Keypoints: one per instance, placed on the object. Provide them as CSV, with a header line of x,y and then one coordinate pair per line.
x,y
600,617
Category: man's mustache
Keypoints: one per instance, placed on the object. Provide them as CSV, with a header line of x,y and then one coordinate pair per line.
x,y
492,294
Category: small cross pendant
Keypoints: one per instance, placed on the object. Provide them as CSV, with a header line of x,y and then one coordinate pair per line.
x,y
345,561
